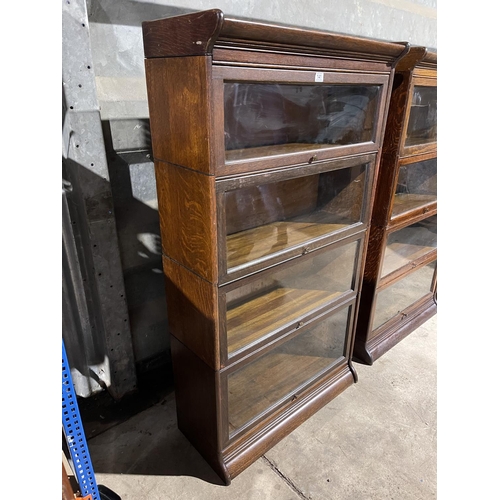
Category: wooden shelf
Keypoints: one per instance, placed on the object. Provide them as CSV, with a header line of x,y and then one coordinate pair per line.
x,y
410,243
398,255
257,318
406,202
258,386
246,246
273,150
401,294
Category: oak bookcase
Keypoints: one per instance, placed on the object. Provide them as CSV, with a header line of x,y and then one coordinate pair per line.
x,y
400,277
266,142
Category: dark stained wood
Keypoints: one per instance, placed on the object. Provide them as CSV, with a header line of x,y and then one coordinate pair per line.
x,y
67,490
393,135
197,396
392,212
284,156
238,30
192,311
186,202
186,35
376,347
196,33
259,59
180,111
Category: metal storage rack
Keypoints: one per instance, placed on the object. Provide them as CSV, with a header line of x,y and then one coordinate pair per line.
x,y
75,435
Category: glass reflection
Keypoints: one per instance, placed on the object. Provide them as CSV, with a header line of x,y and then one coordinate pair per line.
x,y
268,119
281,372
422,124
416,187
408,244
265,219
397,297
277,300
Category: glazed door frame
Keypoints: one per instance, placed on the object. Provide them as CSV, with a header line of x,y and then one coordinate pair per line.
x,y
273,411
415,214
221,74
300,322
409,310
418,149
226,184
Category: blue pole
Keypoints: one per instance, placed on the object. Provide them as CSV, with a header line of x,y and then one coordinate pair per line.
x,y
75,435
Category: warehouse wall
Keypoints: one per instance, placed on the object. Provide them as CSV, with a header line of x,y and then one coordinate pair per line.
x,y
116,38
118,66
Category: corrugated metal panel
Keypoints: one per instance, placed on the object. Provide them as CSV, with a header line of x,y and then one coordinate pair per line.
x,y
95,313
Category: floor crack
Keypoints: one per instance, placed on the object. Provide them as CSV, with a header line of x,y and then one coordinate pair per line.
x,y
290,483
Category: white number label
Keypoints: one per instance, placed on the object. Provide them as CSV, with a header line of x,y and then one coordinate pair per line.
x,y
318,77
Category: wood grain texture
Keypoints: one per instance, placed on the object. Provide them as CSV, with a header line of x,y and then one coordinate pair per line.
x,y
256,58
270,312
392,212
233,155
237,30
187,35
196,33
192,312
180,111
283,386
252,244
287,158
186,206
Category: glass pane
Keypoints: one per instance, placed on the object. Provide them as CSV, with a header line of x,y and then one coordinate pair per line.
x,y
266,219
280,373
277,300
417,186
422,125
409,243
402,294
269,119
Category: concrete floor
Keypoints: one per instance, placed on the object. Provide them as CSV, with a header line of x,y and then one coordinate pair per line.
x,y
377,440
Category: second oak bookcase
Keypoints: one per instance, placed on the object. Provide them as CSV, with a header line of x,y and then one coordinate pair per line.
x,y
400,277
266,144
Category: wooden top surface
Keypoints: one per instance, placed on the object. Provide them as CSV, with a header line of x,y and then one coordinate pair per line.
x,y
197,33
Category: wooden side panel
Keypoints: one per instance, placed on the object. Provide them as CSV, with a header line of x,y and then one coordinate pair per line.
x,y
180,110
187,208
191,34
197,396
192,312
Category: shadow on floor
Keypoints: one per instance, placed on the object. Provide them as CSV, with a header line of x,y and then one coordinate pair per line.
x,y
140,436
